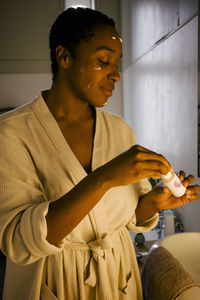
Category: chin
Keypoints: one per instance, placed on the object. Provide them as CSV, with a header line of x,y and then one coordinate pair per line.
x,y
101,104
104,104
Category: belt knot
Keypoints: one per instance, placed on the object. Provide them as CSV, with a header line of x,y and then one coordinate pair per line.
x,y
98,254
98,246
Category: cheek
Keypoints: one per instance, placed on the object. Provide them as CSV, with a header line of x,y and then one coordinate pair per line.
x,y
90,78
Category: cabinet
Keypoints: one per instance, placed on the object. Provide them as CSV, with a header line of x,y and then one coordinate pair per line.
x,y
24,34
146,23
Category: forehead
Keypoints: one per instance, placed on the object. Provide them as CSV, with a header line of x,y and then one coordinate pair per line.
x,y
105,38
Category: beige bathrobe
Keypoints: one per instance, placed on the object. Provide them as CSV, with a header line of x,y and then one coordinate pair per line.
x,y
97,259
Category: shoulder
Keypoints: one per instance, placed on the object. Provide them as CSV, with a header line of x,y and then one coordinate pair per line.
x,y
16,121
118,126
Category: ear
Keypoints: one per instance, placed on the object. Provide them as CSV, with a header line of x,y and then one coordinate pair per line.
x,y
63,56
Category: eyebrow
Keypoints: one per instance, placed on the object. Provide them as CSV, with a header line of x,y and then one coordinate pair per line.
x,y
105,48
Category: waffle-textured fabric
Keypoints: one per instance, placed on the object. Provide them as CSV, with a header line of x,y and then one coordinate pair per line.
x,y
97,259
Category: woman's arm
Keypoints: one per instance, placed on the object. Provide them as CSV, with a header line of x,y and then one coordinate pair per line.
x,y
127,168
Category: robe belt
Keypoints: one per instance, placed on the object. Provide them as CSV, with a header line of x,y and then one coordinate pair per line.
x,y
97,261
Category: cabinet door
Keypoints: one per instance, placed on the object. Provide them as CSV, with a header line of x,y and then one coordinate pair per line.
x,y
147,22
24,34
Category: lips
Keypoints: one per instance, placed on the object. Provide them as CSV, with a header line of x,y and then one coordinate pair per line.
x,y
108,90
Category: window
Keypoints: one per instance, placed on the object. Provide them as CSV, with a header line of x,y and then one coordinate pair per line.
x,y
80,3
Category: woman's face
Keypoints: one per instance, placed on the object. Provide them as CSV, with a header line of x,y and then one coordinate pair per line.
x,y
94,70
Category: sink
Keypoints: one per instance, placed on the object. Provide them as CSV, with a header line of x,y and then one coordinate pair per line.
x,y
185,247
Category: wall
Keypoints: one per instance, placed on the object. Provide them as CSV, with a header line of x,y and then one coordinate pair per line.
x,y
24,53
160,87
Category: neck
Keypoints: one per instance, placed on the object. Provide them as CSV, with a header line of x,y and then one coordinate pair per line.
x,y
64,106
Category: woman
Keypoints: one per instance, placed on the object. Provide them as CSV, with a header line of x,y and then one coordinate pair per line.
x,y
75,181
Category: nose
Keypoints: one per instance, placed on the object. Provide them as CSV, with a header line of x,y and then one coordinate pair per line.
x,y
114,75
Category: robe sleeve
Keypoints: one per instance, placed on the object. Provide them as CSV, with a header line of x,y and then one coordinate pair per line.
x,y
143,187
23,205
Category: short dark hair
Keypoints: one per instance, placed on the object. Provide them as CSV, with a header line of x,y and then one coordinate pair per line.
x,y
73,26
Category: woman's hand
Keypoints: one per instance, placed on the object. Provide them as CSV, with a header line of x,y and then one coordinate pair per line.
x,y
160,198
135,164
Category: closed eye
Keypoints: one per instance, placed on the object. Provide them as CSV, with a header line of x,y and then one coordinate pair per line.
x,y
103,62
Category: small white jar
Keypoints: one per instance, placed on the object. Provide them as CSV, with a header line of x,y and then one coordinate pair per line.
x,y
174,184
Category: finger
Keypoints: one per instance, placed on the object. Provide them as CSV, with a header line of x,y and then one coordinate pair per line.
x,y
153,161
188,180
143,149
166,190
193,197
181,175
155,165
151,173
146,154
193,189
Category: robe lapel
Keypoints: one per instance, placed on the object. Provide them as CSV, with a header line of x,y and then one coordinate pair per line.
x,y
96,215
